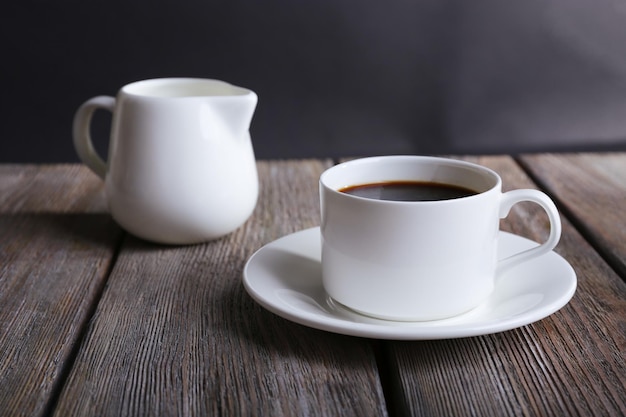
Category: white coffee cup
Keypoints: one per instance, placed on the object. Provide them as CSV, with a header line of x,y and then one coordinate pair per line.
x,y
417,260
180,168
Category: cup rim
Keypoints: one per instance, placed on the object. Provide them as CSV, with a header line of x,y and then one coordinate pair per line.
x,y
323,180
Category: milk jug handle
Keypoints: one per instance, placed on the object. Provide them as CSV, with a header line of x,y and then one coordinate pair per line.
x,y
82,134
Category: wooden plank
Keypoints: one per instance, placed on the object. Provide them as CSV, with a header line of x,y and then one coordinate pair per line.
x,y
176,334
571,363
591,188
62,188
53,265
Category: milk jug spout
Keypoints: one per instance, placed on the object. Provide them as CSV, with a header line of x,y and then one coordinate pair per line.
x,y
234,112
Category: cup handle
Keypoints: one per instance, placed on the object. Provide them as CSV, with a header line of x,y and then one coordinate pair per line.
x,y
82,135
509,199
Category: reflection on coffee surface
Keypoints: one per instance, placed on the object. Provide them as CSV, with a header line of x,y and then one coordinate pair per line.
x,y
408,191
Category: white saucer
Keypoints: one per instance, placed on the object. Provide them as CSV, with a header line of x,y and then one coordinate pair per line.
x,y
285,278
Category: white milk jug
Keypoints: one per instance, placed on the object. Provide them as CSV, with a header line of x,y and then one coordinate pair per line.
x,y
180,166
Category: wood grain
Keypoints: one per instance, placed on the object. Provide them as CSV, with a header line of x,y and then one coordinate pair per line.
x,y
591,188
164,330
59,188
571,363
176,334
54,261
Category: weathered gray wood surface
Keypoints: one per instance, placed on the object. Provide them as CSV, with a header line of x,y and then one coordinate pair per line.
x,y
59,188
55,254
96,322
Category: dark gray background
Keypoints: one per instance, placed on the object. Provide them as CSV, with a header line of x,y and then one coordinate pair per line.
x,y
334,77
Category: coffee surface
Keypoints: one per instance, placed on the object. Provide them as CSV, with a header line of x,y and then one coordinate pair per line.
x,y
408,191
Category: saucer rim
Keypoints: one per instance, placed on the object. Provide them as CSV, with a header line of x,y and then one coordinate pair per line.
x,y
392,330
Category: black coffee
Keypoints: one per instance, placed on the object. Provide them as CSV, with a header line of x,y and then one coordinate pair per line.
x,y
408,191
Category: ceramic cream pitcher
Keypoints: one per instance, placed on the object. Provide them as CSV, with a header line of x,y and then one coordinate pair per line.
x,y
181,166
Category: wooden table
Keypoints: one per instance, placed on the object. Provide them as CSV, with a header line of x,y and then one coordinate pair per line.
x,y
94,322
